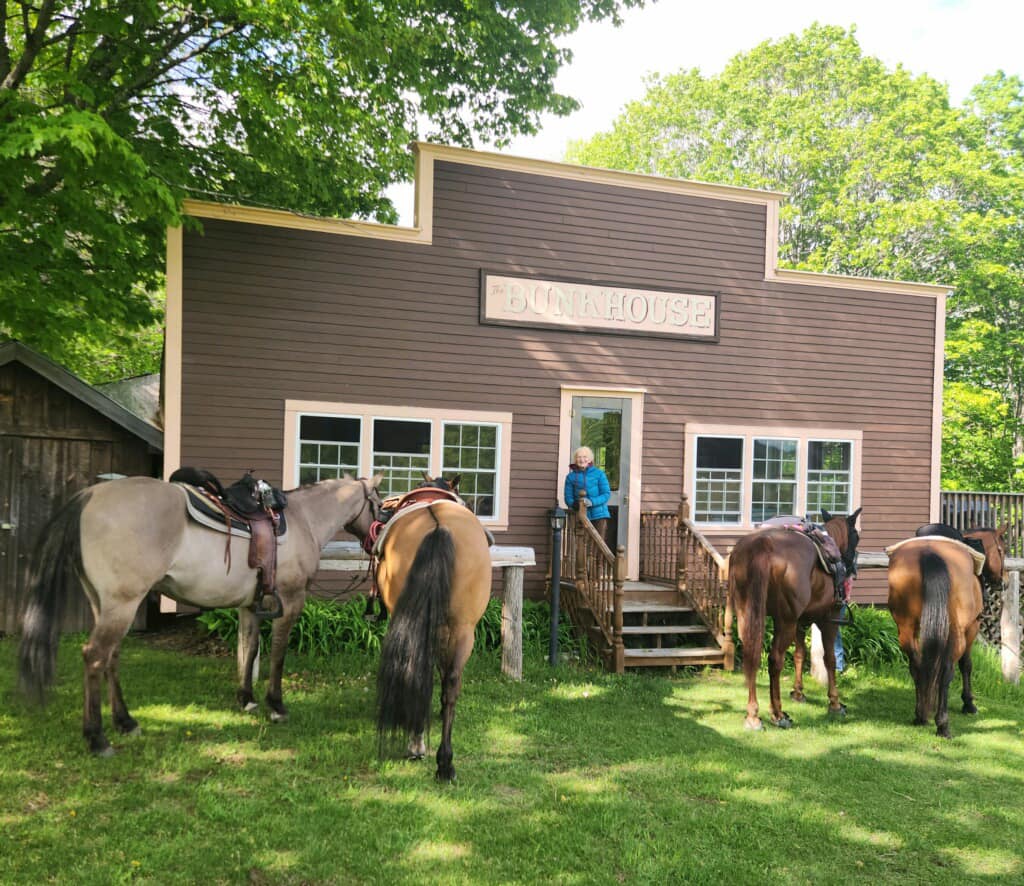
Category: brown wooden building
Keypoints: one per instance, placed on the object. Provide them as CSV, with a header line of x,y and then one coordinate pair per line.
x,y
535,304
57,436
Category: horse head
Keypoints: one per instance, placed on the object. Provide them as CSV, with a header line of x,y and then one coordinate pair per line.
x,y
994,543
844,531
369,511
449,485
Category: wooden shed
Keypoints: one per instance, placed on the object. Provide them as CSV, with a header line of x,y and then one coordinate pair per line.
x,y
57,436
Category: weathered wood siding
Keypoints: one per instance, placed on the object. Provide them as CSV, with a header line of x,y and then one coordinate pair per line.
x,y
273,313
51,446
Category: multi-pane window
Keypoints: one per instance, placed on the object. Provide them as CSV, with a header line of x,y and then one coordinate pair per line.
x,y
471,450
328,447
718,494
401,452
774,478
829,476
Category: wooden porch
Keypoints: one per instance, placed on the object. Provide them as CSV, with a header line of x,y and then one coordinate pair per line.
x,y
676,615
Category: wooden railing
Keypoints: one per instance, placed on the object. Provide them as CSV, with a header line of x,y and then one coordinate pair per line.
x,y
966,509
597,577
675,551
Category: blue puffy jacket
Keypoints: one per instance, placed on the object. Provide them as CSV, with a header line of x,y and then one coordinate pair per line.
x,y
592,484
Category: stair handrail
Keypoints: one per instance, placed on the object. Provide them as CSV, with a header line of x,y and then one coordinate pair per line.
x,y
702,578
598,577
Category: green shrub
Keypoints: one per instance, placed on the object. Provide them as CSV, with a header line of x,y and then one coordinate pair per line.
x,y
870,638
325,628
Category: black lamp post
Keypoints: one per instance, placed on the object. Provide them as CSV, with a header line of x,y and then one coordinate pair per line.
x,y
556,518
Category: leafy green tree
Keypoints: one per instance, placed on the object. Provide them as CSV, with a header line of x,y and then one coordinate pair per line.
x,y
885,179
113,111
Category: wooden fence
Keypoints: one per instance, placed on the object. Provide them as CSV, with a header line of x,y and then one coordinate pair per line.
x,y
966,509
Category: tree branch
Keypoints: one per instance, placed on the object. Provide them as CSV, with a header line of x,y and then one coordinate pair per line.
x,y
33,43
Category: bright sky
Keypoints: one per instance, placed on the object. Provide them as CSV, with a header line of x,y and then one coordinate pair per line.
x,y
957,42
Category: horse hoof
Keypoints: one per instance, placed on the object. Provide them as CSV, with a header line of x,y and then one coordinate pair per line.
x,y
783,722
837,713
136,730
108,751
447,777
250,707
970,709
278,717
798,696
415,755
754,724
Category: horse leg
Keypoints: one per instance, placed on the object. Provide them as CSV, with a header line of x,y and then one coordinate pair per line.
x,y
248,649
799,656
292,605
966,666
104,641
751,665
784,636
124,722
459,649
828,640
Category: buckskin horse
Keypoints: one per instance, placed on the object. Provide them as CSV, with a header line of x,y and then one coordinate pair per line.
x,y
434,577
778,572
935,597
119,540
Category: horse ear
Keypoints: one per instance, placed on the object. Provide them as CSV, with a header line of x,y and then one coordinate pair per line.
x,y
825,516
376,480
1002,529
853,517
427,477
454,482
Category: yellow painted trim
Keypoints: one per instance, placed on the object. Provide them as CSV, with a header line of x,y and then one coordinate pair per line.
x,y
867,284
636,443
748,432
615,178
295,408
172,353
940,349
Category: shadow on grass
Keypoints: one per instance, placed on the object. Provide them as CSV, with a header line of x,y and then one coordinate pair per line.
x,y
571,776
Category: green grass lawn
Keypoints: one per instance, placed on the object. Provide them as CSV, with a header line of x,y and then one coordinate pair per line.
x,y
572,776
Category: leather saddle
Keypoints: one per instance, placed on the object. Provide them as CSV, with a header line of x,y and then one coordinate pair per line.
x,y
249,508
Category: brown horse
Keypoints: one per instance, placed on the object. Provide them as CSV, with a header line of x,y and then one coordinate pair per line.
x,y
434,577
777,572
935,597
119,540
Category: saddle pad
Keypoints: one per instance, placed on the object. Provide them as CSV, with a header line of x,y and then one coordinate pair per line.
x,y
378,545
979,559
206,513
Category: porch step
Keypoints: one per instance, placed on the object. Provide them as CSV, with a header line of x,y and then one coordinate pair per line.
x,y
630,606
664,629
683,655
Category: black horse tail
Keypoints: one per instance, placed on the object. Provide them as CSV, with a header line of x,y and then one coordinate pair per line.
x,y
56,565
405,681
753,575
934,628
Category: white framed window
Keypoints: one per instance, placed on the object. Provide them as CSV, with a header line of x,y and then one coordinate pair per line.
x,y
471,450
401,452
402,443
829,476
740,476
718,484
774,480
328,446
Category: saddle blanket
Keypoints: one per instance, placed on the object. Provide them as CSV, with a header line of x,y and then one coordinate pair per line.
x,y
204,512
979,559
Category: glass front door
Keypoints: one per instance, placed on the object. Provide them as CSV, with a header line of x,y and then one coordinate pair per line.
x,y
603,424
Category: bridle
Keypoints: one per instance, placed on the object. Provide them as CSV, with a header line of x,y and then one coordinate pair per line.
x,y
368,502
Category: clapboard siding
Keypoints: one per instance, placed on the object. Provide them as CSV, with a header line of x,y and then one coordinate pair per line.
x,y
272,314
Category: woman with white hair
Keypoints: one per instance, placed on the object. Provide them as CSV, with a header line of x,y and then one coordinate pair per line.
x,y
587,483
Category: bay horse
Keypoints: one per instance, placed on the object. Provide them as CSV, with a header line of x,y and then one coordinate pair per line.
x,y
121,539
936,598
434,577
777,572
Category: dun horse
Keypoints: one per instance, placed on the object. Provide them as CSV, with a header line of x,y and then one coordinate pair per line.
x,y
778,572
434,576
935,597
118,540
